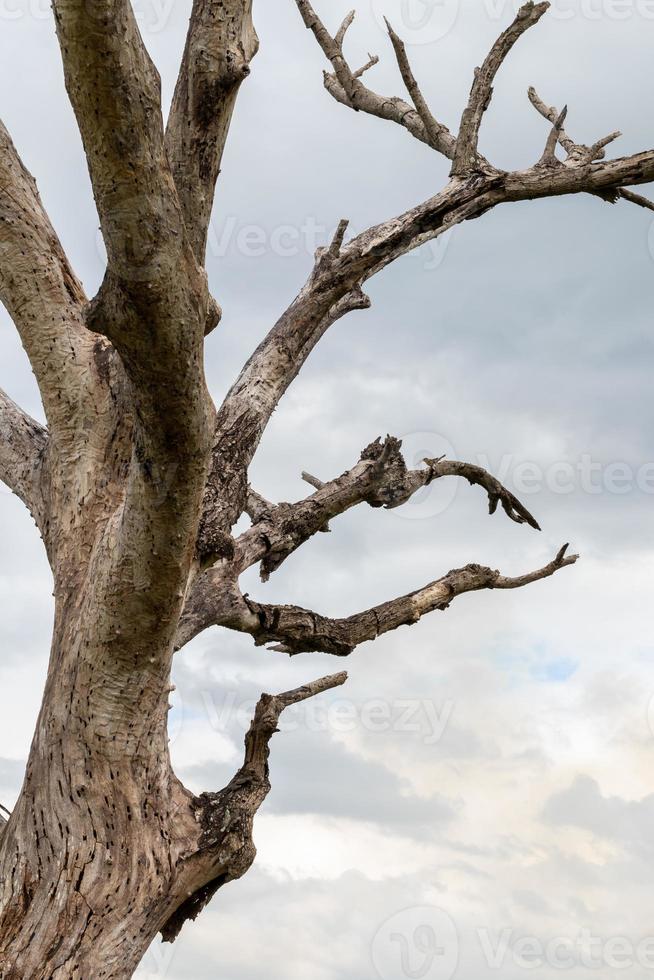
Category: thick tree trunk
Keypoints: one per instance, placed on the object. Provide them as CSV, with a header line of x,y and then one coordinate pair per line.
x,y
105,847
89,860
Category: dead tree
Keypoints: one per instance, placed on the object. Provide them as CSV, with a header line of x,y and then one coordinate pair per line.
x,y
138,481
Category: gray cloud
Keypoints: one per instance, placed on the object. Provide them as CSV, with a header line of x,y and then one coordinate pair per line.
x,y
312,774
628,822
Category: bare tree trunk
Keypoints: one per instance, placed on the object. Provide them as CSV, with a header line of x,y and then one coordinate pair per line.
x,y
106,848
89,859
139,480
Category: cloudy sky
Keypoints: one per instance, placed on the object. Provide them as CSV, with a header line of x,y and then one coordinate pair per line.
x,y
479,800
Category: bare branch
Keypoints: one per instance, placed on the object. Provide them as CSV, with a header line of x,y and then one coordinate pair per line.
x,y
562,560
338,239
638,199
22,448
248,406
334,288
220,45
295,630
313,481
42,294
466,156
115,91
552,114
348,20
373,60
497,494
226,849
346,87
256,506
549,158
431,124
152,273
597,149
380,479
267,715
575,151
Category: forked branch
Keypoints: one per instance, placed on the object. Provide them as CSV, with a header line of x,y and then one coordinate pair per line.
x,y
226,849
381,478
345,85
466,157
335,287
578,153
336,281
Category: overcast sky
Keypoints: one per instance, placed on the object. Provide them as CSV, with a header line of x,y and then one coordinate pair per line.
x,y
482,789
